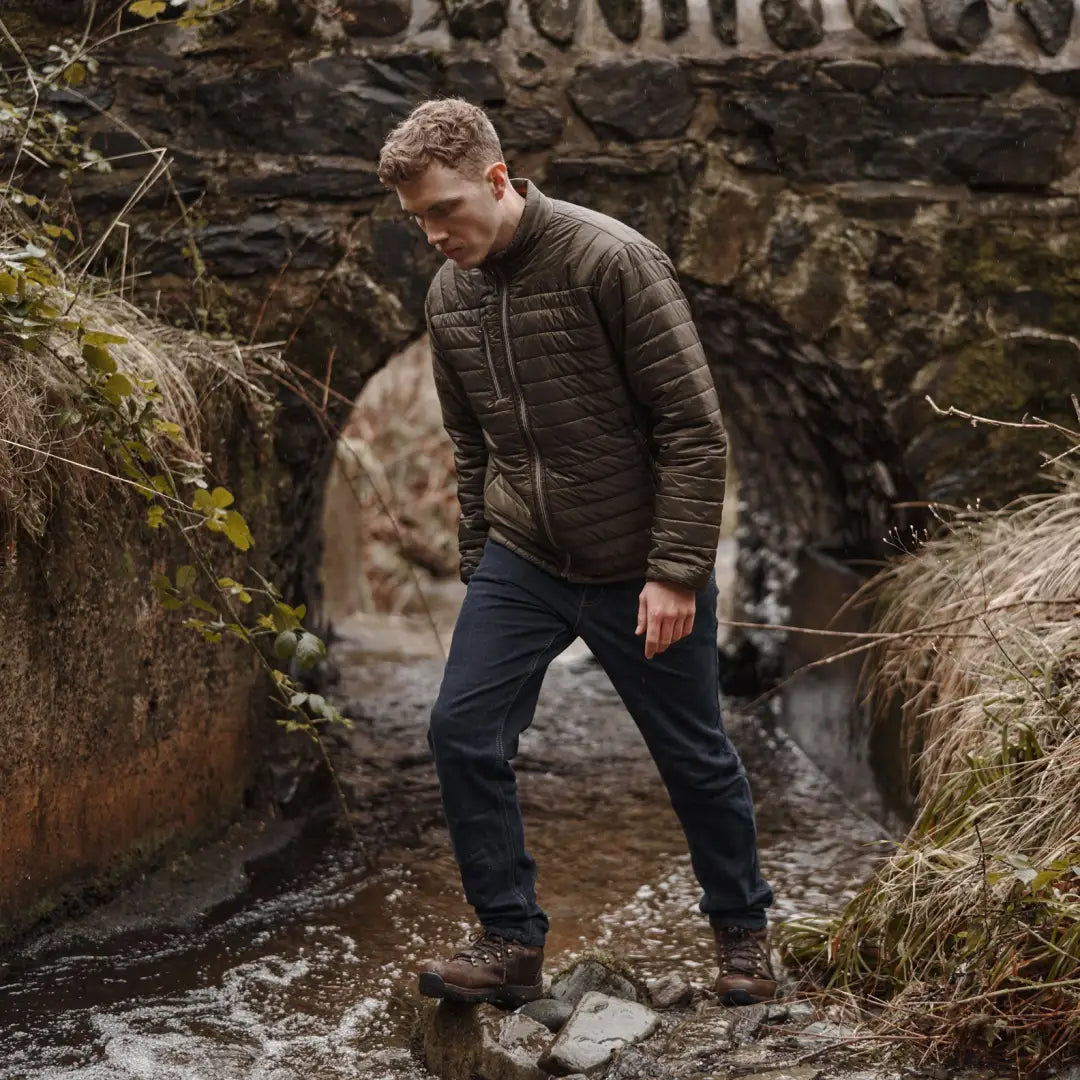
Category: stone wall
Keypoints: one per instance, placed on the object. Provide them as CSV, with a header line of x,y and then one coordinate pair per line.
x,y
123,735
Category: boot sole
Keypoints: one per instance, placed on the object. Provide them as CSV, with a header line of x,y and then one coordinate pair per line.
x,y
433,986
744,997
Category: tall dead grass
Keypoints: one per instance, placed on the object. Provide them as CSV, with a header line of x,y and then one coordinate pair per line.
x,y
970,932
50,445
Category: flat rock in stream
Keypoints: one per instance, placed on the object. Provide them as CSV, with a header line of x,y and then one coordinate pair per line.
x,y
600,1026
481,1042
592,976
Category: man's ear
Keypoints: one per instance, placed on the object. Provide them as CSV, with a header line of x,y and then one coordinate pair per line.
x,y
499,179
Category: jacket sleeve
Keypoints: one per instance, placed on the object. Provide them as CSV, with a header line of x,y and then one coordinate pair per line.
x,y
649,322
470,460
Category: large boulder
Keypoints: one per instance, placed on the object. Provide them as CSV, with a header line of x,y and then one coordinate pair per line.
x,y
632,98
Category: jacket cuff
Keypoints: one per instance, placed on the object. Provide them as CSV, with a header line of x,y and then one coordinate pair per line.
x,y
676,573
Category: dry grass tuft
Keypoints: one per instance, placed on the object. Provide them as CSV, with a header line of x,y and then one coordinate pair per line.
x,y
48,448
971,931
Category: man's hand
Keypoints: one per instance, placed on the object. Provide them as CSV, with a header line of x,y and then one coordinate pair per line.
x,y
665,615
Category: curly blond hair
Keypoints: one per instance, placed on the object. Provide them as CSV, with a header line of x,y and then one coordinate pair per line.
x,y
450,130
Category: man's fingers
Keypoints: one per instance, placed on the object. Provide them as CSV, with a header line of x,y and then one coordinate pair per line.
x,y
667,632
642,614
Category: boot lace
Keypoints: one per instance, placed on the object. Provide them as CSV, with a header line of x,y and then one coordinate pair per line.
x,y
484,949
741,953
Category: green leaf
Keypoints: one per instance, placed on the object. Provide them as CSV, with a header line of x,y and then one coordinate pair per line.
x,y
170,603
102,337
56,231
147,9
99,358
309,651
155,517
221,498
200,604
166,427
202,501
237,531
285,645
161,583
117,387
75,74
185,577
162,484
9,285
226,583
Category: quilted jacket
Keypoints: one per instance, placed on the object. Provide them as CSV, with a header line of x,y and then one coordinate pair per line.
x,y
585,423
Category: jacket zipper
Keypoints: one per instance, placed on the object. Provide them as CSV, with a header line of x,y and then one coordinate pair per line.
x,y
523,420
490,361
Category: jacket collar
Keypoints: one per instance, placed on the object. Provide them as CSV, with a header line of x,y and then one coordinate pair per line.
x,y
534,219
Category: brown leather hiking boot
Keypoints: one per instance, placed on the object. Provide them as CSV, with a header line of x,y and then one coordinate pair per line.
x,y
488,969
746,975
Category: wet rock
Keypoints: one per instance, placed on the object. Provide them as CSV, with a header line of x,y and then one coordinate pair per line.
x,y
878,19
477,81
623,18
1065,83
793,24
957,24
590,977
631,98
946,78
723,19
674,18
555,19
529,128
969,141
599,1026
375,18
1051,20
298,15
480,19
461,1042
859,75
670,991
551,1012
800,1012
791,237
259,243
328,106
318,184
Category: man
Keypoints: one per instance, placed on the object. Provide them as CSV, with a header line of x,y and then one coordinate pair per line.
x,y
589,451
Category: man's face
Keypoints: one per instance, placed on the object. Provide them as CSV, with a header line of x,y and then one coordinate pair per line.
x,y
460,216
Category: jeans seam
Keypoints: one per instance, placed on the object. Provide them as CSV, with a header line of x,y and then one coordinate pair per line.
x,y
580,608
500,757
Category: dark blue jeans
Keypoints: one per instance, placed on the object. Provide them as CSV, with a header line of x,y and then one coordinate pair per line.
x,y
515,620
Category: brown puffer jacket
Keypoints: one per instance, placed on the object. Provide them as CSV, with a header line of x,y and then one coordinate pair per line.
x,y
584,418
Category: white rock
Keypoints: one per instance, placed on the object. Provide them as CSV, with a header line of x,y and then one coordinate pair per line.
x,y
599,1027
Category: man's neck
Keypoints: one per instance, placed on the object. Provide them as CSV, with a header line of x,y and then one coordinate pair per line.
x,y
513,206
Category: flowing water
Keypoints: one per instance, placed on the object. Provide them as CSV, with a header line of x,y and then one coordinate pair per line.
x,y
308,976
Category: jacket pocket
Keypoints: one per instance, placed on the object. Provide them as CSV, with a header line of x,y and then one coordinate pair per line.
x,y
503,503
490,361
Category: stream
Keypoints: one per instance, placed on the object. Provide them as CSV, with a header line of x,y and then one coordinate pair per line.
x,y
307,974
